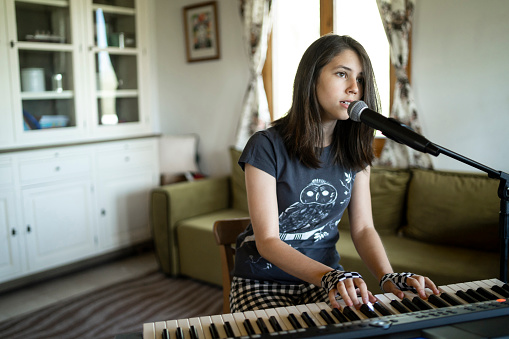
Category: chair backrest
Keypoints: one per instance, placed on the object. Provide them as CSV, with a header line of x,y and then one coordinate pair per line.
x,y
226,232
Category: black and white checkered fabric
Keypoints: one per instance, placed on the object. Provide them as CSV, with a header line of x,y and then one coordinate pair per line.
x,y
398,279
332,278
249,295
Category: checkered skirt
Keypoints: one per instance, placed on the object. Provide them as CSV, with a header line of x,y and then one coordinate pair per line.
x,y
250,295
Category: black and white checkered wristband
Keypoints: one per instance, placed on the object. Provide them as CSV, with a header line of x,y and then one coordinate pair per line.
x,y
398,279
332,278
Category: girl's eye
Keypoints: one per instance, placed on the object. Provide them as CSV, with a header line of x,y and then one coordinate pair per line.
x,y
360,80
341,74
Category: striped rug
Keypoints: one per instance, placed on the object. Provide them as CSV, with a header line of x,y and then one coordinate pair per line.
x,y
117,309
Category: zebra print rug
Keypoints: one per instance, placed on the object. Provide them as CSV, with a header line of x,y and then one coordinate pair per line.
x,y
117,309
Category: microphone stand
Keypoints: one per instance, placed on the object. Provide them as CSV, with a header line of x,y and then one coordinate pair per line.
x,y
503,194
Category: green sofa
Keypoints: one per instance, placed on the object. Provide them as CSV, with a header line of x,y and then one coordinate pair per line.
x,y
440,224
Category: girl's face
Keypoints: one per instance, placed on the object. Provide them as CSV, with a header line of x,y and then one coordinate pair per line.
x,y
340,82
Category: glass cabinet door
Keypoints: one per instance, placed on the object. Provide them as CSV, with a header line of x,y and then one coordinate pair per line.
x,y
44,55
116,61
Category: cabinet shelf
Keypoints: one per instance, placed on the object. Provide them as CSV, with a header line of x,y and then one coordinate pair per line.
x,y
121,93
55,3
44,46
48,95
115,9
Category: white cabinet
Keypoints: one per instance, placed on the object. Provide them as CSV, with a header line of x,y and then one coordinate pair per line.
x,y
10,230
76,70
126,172
58,221
66,204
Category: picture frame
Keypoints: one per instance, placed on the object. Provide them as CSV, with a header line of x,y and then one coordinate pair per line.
x,y
201,31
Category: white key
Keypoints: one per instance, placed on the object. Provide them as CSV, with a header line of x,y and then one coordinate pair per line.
x,y
411,296
239,320
386,302
233,323
283,315
304,308
273,313
149,331
217,320
184,326
489,284
159,327
171,325
205,324
451,292
315,311
342,304
197,325
263,315
296,312
252,317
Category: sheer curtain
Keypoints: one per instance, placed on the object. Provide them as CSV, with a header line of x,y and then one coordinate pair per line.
x,y
397,20
256,23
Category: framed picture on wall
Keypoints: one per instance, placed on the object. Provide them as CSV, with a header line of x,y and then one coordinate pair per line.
x,y
200,27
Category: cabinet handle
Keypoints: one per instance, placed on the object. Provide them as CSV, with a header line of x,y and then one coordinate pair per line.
x,y
13,232
57,168
103,212
29,229
12,43
127,159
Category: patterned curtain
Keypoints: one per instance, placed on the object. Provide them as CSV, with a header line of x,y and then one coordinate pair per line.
x,y
257,23
397,20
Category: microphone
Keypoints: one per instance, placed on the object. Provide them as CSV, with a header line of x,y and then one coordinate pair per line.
x,y
358,111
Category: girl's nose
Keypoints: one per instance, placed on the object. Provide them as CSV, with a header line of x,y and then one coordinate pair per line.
x,y
353,87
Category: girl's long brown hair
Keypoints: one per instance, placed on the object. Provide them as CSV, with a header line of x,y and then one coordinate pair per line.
x,y
301,127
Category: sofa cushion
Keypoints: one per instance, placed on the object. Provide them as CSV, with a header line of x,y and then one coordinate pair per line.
x,y
388,193
459,209
239,195
198,250
443,264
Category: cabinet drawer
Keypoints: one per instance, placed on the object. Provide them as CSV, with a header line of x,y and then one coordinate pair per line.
x,y
56,168
126,156
6,176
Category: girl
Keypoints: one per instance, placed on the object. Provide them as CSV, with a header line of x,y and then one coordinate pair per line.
x,y
301,174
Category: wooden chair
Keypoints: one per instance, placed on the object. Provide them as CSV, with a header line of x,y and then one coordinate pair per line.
x,y
226,232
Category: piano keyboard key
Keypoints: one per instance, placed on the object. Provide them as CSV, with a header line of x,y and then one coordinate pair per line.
x,y
302,318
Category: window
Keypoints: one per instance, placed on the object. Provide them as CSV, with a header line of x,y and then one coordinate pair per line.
x,y
297,24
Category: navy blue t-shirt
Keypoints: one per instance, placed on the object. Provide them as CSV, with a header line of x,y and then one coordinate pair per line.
x,y
311,202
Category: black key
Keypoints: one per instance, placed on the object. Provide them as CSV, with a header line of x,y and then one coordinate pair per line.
x,y
340,316
166,334
500,291
410,305
307,319
179,333
193,333
261,325
399,306
466,297
228,329
487,294
213,331
451,300
382,309
476,295
293,320
421,304
505,287
249,327
368,312
326,317
437,301
350,314
275,324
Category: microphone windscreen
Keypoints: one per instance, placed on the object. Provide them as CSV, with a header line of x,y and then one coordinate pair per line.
x,y
355,109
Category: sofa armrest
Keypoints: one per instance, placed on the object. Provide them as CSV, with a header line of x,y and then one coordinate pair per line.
x,y
172,203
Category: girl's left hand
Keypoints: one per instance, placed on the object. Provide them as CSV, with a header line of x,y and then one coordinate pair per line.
x,y
396,283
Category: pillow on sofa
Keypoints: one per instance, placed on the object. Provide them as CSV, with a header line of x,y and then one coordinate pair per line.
x,y
453,208
238,182
388,190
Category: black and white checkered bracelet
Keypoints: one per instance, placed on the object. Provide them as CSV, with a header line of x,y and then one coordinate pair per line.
x,y
331,279
398,279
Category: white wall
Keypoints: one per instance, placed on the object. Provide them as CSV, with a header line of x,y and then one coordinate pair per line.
x,y
460,74
200,97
